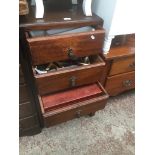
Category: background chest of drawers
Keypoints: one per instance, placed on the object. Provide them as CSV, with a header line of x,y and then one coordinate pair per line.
x,y
28,119
121,65
75,90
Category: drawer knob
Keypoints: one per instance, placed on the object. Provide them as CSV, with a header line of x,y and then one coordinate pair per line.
x,y
127,83
78,113
71,54
72,81
132,65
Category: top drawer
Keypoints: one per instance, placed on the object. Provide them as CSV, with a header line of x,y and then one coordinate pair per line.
x,y
59,45
122,65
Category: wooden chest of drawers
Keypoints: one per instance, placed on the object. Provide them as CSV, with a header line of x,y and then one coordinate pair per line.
x,y
121,74
28,119
73,49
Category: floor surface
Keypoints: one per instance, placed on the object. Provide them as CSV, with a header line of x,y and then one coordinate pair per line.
x,y
109,132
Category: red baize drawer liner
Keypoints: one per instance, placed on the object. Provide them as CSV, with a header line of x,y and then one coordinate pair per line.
x,y
64,98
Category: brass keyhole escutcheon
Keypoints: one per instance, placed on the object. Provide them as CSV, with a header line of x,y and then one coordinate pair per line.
x,y
71,54
72,81
78,113
127,83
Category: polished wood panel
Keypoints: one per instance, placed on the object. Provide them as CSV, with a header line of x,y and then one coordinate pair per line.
x,y
23,93
25,109
60,80
122,65
119,83
77,110
69,97
28,122
54,48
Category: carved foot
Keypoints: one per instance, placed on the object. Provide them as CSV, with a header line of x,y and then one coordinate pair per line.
x,y
92,114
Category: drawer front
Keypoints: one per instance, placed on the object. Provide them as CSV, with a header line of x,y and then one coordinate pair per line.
x,y
28,122
23,93
54,48
122,65
70,78
74,111
119,83
25,109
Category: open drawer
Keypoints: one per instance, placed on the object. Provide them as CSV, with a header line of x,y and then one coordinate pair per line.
x,y
62,44
69,77
66,105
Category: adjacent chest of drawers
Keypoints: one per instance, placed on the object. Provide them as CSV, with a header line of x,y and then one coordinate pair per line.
x,y
121,62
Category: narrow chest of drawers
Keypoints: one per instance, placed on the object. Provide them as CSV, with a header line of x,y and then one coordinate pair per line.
x,y
67,68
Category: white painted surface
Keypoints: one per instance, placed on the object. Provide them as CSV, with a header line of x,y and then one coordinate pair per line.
x,y
118,16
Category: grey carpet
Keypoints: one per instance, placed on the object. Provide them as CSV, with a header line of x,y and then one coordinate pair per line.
x,y
109,132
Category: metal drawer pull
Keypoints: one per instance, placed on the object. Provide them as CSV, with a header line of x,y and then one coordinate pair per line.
x,y
72,81
132,65
78,113
71,54
127,83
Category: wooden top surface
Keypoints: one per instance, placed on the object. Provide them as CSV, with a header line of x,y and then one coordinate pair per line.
x,y
55,18
122,51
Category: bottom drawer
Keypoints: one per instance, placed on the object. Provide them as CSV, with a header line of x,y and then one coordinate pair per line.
x,y
87,100
28,122
120,83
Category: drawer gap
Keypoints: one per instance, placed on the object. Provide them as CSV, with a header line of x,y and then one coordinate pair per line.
x,y
67,65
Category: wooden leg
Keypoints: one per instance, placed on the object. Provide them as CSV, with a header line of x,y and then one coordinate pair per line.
x,y
91,114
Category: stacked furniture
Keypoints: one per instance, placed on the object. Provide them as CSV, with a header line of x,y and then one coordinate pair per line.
x,y
67,76
70,91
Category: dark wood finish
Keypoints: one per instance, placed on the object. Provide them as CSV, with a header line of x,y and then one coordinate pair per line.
x,y
69,97
122,65
53,82
28,122
28,118
55,19
54,48
76,110
60,80
120,83
25,109
23,93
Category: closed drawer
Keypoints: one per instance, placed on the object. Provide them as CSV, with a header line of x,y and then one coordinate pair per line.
x,y
70,77
58,47
122,65
57,108
28,122
25,109
119,83
23,93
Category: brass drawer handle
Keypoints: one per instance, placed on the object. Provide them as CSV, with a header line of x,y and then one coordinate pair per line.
x,y
72,81
132,65
78,113
127,83
71,54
